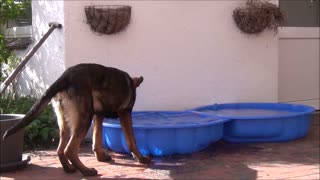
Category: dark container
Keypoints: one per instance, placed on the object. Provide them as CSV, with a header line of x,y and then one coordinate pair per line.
x,y
11,148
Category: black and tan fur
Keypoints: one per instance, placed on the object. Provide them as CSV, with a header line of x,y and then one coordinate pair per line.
x,y
82,93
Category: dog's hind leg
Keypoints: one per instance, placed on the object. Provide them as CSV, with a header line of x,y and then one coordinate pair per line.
x,y
64,136
79,117
73,147
99,152
72,153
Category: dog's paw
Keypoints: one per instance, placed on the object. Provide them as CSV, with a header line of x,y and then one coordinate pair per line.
x,y
103,157
69,169
90,172
145,160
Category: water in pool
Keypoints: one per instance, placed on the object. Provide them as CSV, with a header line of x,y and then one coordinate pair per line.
x,y
248,112
164,119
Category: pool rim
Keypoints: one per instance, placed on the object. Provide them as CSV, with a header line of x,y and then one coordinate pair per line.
x,y
220,120
307,110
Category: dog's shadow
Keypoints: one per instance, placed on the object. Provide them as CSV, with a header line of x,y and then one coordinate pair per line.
x,y
185,166
34,171
197,164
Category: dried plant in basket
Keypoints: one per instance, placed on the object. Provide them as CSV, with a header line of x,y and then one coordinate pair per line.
x,y
257,15
108,19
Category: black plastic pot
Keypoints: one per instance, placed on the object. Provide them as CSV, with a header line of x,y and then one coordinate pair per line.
x,y
12,147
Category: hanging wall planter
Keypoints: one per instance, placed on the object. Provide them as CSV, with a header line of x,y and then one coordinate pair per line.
x,y
108,19
256,16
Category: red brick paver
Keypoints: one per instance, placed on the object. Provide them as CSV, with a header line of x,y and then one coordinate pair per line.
x,y
297,159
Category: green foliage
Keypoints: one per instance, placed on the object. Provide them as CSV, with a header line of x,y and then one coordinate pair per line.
x,y
5,54
8,62
9,10
42,131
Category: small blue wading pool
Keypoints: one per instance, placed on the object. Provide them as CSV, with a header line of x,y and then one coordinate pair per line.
x,y
164,133
262,122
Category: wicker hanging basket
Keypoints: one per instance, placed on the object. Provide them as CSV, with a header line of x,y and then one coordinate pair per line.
x,y
108,19
256,16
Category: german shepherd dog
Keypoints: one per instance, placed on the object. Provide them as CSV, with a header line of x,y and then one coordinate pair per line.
x,y
82,93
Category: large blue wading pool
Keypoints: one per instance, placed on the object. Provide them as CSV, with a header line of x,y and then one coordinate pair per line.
x,y
160,133
261,122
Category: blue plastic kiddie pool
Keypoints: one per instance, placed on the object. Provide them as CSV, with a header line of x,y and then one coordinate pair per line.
x,y
262,122
164,133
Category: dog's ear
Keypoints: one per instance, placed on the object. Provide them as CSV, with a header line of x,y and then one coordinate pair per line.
x,y
137,81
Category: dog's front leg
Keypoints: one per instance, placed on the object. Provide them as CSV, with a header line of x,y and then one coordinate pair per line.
x,y
97,148
126,124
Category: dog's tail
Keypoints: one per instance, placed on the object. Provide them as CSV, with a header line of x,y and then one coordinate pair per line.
x,y
38,107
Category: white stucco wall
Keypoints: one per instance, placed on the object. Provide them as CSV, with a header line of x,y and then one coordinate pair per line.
x,y
190,53
48,62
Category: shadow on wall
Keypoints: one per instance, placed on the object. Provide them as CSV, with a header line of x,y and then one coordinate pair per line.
x,y
47,64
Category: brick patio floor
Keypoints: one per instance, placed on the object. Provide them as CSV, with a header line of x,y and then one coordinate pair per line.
x,y
297,159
